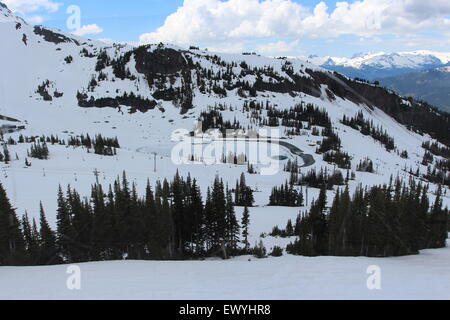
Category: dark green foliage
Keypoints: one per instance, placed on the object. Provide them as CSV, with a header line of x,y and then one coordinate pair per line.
x,y
85,53
318,180
101,145
286,196
367,128
212,119
68,59
131,100
332,142
438,176
365,166
39,151
294,117
12,246
340,158
260,251
119,67
103,61
48,253
245,226
427,158
243,194
32,242
6,156
288,232
276,252
437,149
43,91
383,221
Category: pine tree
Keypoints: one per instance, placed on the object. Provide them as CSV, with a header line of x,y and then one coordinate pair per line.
x,y
31,238
243,194
438,223
319,227
178,211
232,225
198,219
6,156
65,231
245,227
102,226
12,246
48,250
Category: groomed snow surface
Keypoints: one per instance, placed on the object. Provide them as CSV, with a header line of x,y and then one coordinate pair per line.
x,y
425,276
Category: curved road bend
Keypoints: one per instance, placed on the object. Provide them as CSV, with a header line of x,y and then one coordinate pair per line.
x,y
308,160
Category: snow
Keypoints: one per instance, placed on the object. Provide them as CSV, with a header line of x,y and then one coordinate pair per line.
x,y
444,69
143,134
412,59
425,276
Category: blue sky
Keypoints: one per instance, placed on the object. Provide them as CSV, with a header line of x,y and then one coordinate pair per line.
x,y
272,27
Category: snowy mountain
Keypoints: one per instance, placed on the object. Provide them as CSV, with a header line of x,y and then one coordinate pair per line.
x,y
378,65
432,86
57,87
56,83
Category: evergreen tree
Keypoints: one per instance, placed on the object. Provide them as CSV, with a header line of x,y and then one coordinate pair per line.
x,y
232,225
31,238
245,227
438,223
12,246
384,221
48,249
65,232
319,227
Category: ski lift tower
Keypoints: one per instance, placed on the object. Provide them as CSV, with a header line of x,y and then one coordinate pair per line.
x,y
154,161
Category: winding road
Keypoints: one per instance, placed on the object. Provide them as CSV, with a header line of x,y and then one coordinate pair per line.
x,y
308,159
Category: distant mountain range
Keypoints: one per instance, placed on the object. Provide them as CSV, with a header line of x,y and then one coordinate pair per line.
x,y
421,74
373,66
432,86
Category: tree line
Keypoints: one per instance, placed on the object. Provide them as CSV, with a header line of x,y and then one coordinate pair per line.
x,y
170,221
390,220
367,128
101,145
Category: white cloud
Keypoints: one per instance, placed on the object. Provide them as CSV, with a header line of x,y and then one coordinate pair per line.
x,y
228,47
278,47
27,6
88,29
215,21
35,19
106,40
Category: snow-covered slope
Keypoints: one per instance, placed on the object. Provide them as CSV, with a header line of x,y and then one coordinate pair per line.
x,y
58,84
54,83
423,276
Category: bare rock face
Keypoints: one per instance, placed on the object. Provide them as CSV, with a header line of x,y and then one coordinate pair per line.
x,y
51,36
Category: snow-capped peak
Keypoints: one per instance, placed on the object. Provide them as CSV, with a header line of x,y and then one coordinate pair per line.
x,y
383,60
443,56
